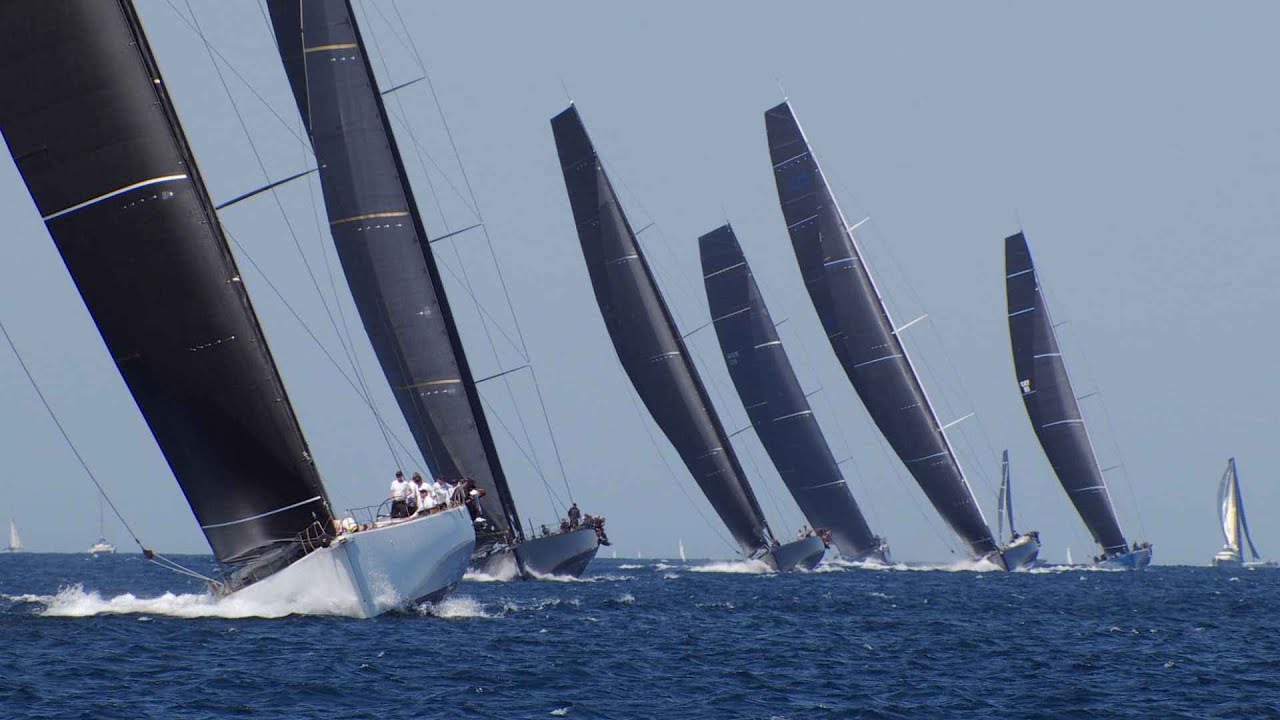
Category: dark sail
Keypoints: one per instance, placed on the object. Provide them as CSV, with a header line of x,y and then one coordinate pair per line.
x,y
645,336
383,246
775,403
1050,401
94,134
861,333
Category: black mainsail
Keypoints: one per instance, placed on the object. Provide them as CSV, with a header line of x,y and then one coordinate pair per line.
x,y
648,344
1051,403
95,136
861,333
775,403
384,249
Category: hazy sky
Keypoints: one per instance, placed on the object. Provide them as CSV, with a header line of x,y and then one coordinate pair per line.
x,y
1137,145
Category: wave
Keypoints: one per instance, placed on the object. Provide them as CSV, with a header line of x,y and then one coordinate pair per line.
x,y
629,566
75,601
587,579
1055,569
738,567
454,608
508,574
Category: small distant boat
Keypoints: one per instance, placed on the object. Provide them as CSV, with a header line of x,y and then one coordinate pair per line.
x,y
1069,560
683,557
1023,549
15,542
102,547
1235,528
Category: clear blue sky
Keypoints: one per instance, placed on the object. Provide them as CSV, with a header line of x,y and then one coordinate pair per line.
x,y
1137,145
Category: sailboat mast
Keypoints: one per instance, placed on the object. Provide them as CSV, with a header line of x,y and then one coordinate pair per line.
x,y
384,249
862,334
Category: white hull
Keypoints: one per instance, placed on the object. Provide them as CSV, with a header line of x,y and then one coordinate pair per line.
x,y
367,573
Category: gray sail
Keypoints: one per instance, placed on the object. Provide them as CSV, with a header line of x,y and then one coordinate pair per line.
x,y
1004,503
95,135
773,398
383,247
1050,402
648,344
861,333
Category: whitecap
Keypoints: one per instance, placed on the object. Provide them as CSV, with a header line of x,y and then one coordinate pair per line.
x,y
456,607
740,567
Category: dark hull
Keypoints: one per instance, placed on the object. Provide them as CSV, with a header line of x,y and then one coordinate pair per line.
x,y
799,555
1133,560
563,554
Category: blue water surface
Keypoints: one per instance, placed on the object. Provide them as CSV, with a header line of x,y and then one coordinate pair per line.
x,y
100,638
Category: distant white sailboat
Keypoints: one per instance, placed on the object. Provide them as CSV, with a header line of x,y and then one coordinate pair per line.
x,y
1235,528
1069,560
102,547
15,542
683,557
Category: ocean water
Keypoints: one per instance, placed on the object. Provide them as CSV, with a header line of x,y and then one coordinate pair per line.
x,y
116,637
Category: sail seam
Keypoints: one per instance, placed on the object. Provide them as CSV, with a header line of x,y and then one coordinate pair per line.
x,y
113,193
1064,422
880,359
801,222
1019,312
1020,272
450,381
370,216
259,516
337,46
726,269
791,159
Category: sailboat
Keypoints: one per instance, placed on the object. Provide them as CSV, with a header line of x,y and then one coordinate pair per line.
x,y
866,341
102,547
1235,529
680,547
95,135
654,355
1054,413
15,542
776,404
393,275
1004,504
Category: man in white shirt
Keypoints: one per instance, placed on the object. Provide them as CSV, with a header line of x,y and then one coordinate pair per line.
x,y
422,494
441,491
400,490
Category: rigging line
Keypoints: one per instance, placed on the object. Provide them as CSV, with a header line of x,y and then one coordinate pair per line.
x,y
67,437
465,275
671,473
266,175
551,496
342,330
555,446
387,433
237,73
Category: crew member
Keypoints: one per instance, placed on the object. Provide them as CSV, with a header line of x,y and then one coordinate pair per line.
x,y
400,492
575,516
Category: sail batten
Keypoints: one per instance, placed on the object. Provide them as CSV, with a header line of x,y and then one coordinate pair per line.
x,y
1050,401
775,403
648,344
861,332
97,140
384,250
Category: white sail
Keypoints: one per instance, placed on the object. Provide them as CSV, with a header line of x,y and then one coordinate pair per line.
x,y
683,557
1229,507
1069,561
15,542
